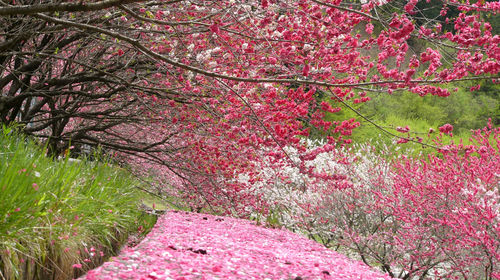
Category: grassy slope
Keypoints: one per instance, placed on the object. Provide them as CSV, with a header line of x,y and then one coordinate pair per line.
x,y
61,218
463,109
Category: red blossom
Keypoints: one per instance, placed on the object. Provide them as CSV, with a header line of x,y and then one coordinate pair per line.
x,y
403,129
446,129
215,28
402,140
305,70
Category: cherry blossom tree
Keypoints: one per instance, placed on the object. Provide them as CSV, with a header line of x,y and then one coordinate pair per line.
x,y
203,91
222,76
431,218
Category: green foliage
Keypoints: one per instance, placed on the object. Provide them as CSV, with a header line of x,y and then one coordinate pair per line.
x,y
463,109
57,213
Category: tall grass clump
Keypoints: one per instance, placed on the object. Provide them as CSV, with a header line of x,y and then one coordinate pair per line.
x,y
59,218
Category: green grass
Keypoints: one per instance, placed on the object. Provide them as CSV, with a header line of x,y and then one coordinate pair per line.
x,y
418,128
58,213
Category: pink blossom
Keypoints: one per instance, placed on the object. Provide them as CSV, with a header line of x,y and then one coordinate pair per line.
x,y
215,28
77,265
369,28
272,60
402,141
403,129
200,246
446,129
305,70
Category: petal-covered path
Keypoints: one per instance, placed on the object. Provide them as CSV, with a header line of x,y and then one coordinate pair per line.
x,y
199,246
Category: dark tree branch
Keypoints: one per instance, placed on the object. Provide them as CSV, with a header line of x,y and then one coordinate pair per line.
x,y
63,7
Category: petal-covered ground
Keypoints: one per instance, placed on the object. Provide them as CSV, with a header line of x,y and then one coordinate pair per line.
x,y
199,246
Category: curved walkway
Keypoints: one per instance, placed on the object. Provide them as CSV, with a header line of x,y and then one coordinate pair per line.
x,y
186,245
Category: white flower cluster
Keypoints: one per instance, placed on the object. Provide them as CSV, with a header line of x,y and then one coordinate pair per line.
x,y
206,55
304,200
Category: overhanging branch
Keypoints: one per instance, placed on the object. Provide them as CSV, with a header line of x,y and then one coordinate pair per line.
x,y
137,44
63,7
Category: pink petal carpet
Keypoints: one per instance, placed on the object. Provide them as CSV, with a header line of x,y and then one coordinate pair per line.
x,y
186,245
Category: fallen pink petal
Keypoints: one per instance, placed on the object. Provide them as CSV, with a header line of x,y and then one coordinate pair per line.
x,y
200,246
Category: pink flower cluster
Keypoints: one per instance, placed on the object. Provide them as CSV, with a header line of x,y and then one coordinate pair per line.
x,y
446,129
199,246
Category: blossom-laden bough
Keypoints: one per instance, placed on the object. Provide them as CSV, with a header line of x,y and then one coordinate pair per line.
x,y
199,246
199,89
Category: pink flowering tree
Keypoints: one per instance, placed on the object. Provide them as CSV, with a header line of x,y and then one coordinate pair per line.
x,y
201,92
435,218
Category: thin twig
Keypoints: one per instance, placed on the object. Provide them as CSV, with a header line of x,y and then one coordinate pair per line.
x,y
377,125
